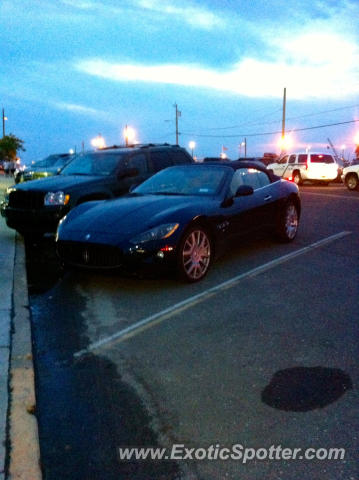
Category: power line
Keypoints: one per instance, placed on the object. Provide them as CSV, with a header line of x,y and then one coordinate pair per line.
x,y
270,133
256,123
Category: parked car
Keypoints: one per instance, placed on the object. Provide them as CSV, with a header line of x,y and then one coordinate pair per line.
x,y
300,167
216,159
47,167
350,176
36,207
182,217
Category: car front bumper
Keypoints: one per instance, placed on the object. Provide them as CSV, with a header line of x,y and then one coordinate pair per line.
x,y
103,256
40,221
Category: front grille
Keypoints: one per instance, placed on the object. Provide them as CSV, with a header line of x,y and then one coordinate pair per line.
x,y
90,254
28,200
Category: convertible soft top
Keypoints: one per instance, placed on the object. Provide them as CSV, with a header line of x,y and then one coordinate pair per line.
x,y
235,164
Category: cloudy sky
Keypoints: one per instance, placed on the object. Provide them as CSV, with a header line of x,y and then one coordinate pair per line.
x,y
73,69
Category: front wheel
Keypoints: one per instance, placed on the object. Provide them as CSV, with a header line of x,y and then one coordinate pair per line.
x,y
352,182
288,222
194,254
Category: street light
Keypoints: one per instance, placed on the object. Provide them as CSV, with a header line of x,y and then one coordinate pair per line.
x,y
192,145
285,143
242,144
3,122
129,134
98,142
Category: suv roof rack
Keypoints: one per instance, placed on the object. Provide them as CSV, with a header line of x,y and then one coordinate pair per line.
x,y
139,145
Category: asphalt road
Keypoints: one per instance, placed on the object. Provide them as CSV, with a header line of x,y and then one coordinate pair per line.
x,y
261,353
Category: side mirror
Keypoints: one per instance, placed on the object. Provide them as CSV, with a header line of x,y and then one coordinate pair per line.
x,y
128,173
244,190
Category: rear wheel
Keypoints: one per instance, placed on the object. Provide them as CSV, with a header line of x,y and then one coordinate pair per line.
x,y
351,181
194,254
297,179
288,222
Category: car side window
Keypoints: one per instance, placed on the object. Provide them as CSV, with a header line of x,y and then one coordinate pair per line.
x,y
248,176
302,158
263,178
283,160
292,159
237,181
138,161
160,160
180,158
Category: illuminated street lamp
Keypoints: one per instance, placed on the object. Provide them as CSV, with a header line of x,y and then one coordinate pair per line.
x,y
242,144
285,143
98,142
192,145
3,122
129,134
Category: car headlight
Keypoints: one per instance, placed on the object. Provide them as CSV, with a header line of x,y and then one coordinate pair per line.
x,y
56,198
7,193
156,233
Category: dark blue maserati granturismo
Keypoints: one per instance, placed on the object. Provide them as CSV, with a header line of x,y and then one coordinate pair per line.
x,y
182,217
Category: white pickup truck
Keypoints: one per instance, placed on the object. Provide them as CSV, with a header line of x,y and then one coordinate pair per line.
x,y
313,166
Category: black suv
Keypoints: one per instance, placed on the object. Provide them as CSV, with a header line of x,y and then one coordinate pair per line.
x,y
36,207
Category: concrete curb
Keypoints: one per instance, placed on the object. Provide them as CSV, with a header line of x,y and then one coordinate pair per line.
x,y
24,454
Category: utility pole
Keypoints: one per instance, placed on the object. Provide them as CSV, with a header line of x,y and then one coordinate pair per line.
x,y
126,136
245,148
283,117
334,150
178,114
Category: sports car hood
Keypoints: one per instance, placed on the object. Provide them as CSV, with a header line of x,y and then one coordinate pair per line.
x,y
118,220
57,183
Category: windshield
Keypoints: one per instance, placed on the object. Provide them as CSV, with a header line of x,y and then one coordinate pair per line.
x,y
51,161
184,180
101,164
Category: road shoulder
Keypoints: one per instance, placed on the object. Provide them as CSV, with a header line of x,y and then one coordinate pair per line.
x,y
24,460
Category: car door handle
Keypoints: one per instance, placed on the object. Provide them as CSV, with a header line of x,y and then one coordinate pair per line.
x,y
267,198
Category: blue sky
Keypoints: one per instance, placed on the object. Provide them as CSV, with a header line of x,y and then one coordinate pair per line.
x,y
72,69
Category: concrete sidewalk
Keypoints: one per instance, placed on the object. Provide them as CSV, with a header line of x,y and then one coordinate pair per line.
x,y
19,445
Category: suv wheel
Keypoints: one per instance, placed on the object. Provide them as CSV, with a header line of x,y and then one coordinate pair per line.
x,y
297,179
351,181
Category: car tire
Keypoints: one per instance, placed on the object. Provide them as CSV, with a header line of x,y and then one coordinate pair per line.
x,y
194,255
288,222
297,178
352,182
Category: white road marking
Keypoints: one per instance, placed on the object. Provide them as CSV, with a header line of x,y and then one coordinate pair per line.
x,y
159,317
329,195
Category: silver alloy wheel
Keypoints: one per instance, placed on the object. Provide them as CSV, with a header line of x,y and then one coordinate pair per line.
x,y
196,254
352,182
291,221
